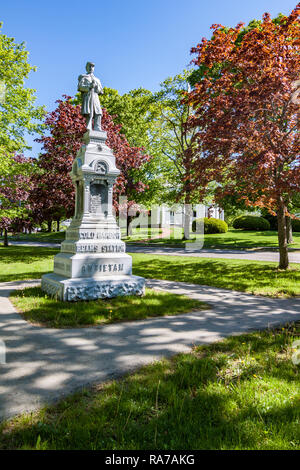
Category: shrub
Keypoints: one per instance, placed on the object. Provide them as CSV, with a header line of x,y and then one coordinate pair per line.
x,y
251,222
211,225
272,219
296,225
274,225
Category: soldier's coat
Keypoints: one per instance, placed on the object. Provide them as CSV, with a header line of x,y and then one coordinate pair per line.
x,y
88,95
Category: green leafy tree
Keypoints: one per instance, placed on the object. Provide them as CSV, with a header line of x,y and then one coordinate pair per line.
x,y
136,112
172,139
18,113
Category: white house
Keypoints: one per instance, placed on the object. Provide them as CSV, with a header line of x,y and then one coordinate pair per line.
x,y
162,216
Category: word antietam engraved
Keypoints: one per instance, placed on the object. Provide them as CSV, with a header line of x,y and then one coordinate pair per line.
x,y
101,268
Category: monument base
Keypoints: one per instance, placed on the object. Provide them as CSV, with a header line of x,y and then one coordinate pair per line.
x,y
74,289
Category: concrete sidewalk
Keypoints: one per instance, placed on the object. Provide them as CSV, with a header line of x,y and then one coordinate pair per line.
x,y
45,364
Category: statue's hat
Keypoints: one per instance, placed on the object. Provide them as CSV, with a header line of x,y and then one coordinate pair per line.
x,y
90,63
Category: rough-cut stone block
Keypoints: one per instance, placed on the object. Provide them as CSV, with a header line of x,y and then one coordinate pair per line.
x,y
90,289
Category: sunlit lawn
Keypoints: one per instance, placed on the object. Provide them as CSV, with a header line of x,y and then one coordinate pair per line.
x,y
36,307
259,277
241,393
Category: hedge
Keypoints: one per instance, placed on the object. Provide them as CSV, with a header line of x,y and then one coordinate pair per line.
x,y
211,225
296,225
251,222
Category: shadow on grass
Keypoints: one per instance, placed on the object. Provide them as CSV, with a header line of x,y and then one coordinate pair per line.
x,y
27,254
238,275
36,307
23,262
192,401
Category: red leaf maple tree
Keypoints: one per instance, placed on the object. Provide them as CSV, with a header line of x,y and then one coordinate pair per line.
x,y
14,196
247,117
53,196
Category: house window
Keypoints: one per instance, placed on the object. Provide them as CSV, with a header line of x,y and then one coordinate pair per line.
x,y
194,213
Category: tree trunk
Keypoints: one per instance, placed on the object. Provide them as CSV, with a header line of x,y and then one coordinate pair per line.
x,y
129,227
5,241
187,218
49,222
282,237
57,225
289,231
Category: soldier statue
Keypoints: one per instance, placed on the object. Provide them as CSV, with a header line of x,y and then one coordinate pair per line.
x,y
90,87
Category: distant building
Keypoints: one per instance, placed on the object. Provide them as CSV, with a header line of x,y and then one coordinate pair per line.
x,y
162,216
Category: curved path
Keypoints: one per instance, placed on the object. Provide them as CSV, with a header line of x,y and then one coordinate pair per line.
x,y
44,364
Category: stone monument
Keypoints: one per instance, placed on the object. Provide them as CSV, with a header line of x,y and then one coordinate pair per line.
x,y
92,262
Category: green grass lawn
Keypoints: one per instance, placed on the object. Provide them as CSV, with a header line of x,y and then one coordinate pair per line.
x,y
25,262
258,277
241,393
35,306
237,239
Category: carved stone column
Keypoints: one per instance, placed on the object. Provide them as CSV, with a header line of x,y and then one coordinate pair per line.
x,y
92,263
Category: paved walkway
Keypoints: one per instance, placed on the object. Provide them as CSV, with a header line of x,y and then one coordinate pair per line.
x,y
44,364
251,254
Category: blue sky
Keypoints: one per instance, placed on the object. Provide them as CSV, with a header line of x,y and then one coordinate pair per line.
x,y
134,43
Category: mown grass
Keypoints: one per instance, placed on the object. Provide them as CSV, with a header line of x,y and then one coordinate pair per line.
x,y
241,393
36,307
25,262
257,277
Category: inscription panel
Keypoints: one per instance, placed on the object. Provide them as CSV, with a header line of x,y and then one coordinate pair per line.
x,y
91,268
90,235
92,248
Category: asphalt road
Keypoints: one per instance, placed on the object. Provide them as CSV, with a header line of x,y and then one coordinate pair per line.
x,y
191,250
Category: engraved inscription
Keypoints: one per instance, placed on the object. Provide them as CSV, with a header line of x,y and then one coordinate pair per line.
x,y
99,248
101,268
96,198
99,235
